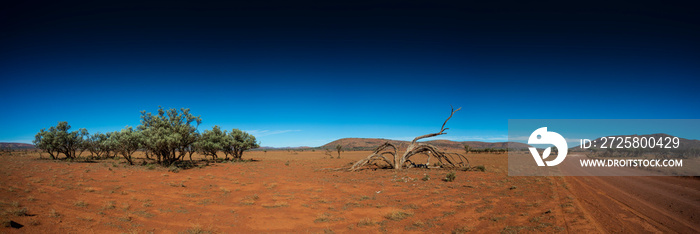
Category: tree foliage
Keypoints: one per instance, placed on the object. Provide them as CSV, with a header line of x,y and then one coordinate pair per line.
x,y
127,141
58,140
240,141
211,142
45,140
231,143
98,144
169,134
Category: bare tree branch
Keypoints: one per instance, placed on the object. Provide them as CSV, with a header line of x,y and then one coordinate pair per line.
x,y
442,129
445,159
377,155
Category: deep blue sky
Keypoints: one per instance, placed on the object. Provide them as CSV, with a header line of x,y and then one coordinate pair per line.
x,y
306,73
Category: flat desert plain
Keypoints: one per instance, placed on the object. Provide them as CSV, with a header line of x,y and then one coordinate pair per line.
x,y
292,191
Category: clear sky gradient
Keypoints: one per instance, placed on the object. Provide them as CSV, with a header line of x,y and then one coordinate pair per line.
x,y
307,73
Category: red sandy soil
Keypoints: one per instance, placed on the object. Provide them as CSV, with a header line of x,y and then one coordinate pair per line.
x,y
288,191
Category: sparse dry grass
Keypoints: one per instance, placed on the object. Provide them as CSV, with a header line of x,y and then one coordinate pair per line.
x,y
198,229
80,203
276,204
366,222
18,211
398,215
204,202
325,217
225,190
54,214
6,223
250,200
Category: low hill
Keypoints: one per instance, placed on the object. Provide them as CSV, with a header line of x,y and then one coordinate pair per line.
x,y
12,145
372,143
361,143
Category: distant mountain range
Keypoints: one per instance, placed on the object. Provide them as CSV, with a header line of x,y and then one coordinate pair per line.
x,y
5,145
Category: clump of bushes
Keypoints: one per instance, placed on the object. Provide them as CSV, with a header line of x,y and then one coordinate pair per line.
x,y
166,137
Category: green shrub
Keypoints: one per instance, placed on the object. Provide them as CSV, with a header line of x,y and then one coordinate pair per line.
x,y
426,177
450,177
174,169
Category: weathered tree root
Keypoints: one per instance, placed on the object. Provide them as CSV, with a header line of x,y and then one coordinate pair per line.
x,y
445,159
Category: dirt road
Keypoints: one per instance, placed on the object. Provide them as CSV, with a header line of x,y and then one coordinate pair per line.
x,y
634,204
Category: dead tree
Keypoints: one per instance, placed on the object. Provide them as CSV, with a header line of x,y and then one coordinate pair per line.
x,y
329,153
445,159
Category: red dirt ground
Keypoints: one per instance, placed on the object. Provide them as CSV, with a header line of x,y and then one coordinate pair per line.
x,y
287,191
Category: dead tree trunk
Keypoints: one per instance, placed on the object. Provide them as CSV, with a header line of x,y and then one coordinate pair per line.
x,y
445,159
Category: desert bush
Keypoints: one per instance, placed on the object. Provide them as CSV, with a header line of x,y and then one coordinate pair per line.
x,y
211,142
230,143
173,169
169,134
126,142
58,140
241,141
450,177
426,177
98,144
